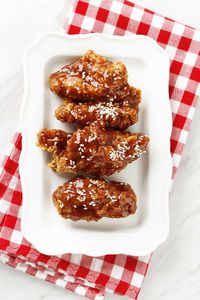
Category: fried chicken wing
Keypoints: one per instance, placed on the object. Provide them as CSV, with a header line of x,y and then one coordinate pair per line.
x,y
91,199
91,78
53,140
119,115
99,152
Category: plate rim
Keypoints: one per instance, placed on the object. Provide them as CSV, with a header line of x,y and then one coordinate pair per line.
x,y
165,232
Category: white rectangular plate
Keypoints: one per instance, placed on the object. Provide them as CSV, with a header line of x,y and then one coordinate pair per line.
x,y
139,234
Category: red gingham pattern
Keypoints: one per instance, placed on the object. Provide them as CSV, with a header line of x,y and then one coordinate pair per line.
x,y
93,277
181,42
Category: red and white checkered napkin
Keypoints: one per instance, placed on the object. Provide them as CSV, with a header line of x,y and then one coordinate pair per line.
x,y
93,277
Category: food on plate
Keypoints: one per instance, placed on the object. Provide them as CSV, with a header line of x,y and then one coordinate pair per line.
x,y
91,78
98,98
91,199
119,115
98,151
54,140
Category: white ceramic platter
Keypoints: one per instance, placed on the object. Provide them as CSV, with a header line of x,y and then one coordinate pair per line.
x,y
139,234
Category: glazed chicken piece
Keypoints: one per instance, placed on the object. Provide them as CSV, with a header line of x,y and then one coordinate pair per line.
x,y
91,199
91,78
118,115
53,141
99,152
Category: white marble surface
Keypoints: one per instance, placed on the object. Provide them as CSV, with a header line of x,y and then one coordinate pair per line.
x,y
174,272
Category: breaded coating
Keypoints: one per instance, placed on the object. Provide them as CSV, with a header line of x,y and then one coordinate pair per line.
x,y
118,115
99,152
91,199
91,78
53,140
